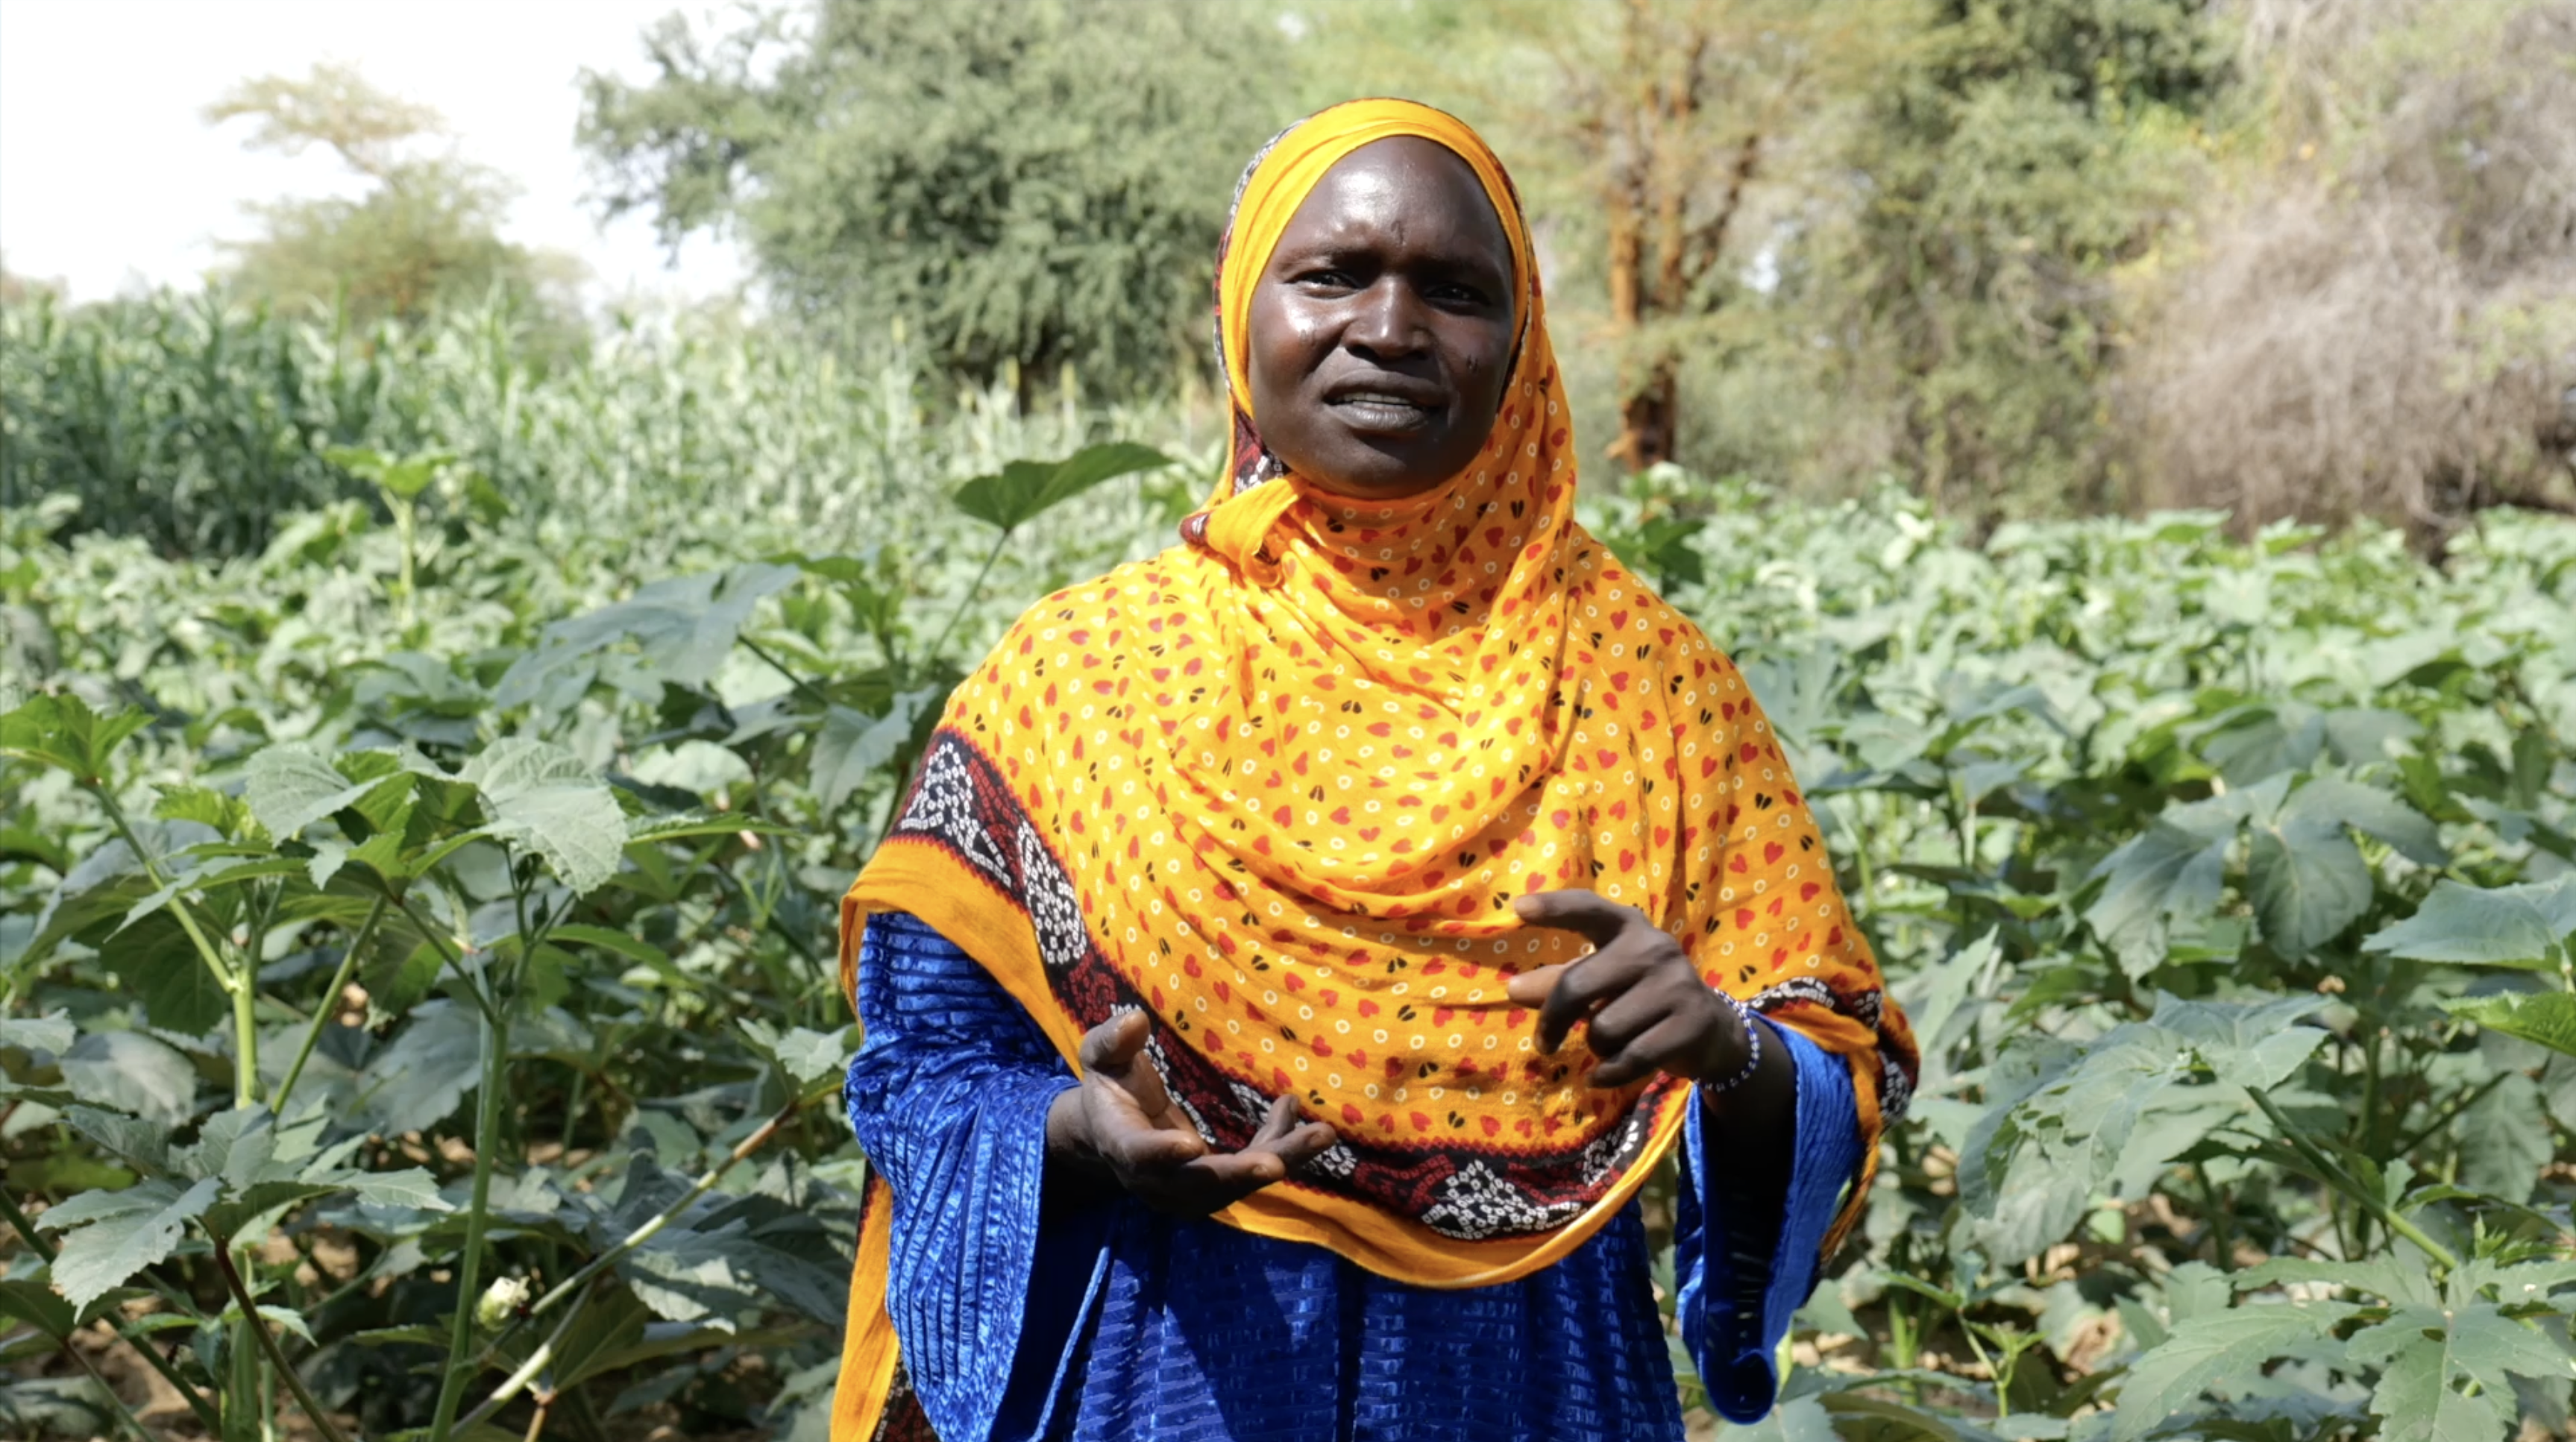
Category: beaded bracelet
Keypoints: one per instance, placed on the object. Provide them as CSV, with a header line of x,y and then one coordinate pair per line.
x,y
1752,1049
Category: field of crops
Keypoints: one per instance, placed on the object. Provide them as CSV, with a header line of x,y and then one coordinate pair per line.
x,y
417,928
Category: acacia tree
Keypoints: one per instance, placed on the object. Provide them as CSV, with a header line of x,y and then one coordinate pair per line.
x,y
1019,187
1641,130
426,232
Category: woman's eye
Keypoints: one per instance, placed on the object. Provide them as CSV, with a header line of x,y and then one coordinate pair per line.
x,y
1326,279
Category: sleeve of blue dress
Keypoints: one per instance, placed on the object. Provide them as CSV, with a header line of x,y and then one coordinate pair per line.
x,y
1739,1284
949,1096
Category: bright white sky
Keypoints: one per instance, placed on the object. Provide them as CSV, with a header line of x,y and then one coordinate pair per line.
x,y
110,180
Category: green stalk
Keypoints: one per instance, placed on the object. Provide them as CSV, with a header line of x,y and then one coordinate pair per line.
x,y
322,1014
760,1137
2343,1181
938,647
469,1272
258,1327
242,984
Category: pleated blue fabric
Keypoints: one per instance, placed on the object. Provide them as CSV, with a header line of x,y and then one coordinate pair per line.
x,y
1023,1318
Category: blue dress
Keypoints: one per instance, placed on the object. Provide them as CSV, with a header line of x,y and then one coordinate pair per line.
x,y
1023,1317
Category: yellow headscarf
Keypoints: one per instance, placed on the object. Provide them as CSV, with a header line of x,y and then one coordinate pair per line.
x,y
1278,788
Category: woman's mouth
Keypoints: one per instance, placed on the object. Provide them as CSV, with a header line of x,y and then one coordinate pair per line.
x,y
1381,412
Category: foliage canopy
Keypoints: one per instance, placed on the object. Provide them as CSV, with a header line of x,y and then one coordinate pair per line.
x,y
1019,187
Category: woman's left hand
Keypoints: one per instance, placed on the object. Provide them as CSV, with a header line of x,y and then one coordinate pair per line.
x,y
1646,1005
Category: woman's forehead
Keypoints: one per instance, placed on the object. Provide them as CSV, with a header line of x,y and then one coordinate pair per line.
x,y
1406,184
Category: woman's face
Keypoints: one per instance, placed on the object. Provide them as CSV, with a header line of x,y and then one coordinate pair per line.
x,y
1382,327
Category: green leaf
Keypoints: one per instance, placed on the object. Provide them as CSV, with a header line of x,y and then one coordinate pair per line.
x,y
633,948
2546,1018
2504,1138
853,746
681,629
34,1303
62,732
2372,812
2506,926
542,796
227,815
1023,490
289,787
146,1144
803,1054
2169,868
103,1254
158,963
2307,882
51,1032
130,1072
2430,1353
418,1080
2213,1350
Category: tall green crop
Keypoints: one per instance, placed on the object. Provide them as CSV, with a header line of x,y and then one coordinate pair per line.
x,y
419,938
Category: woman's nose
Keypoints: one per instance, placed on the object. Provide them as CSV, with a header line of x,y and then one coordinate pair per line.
x,y
1389,321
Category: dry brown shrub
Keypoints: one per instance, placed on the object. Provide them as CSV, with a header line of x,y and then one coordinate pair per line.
x,y
2380,318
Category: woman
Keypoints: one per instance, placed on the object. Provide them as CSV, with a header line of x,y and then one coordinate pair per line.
x,y
1300,946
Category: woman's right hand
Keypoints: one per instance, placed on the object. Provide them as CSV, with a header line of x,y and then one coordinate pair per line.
x,y
1120,1126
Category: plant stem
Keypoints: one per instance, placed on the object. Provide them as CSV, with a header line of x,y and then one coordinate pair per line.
x,y
938,647
44,1250
487,1135
206,949
322,1014
243,983
2222,1238
812,692
258,1327
449,956
2342,1181
528,1371
2449,1113
760,1137
124,1413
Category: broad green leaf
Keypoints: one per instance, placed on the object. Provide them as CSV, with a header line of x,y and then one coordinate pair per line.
x,y
290,787
2506,926
418,1080
681,628
2257,1045
2308,882
158,963
2213,1350
34,1303
410,1187
2169,868
2431,1353
2504,1138
2372,812
2546,1018
129,1072
803,1054
228,815
542,796
1023,490
51,1032
2266,742
852,747
105,1253
146,1144
62,732
100,890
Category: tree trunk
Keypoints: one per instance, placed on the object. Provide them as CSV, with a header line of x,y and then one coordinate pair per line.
x,y
1647,418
